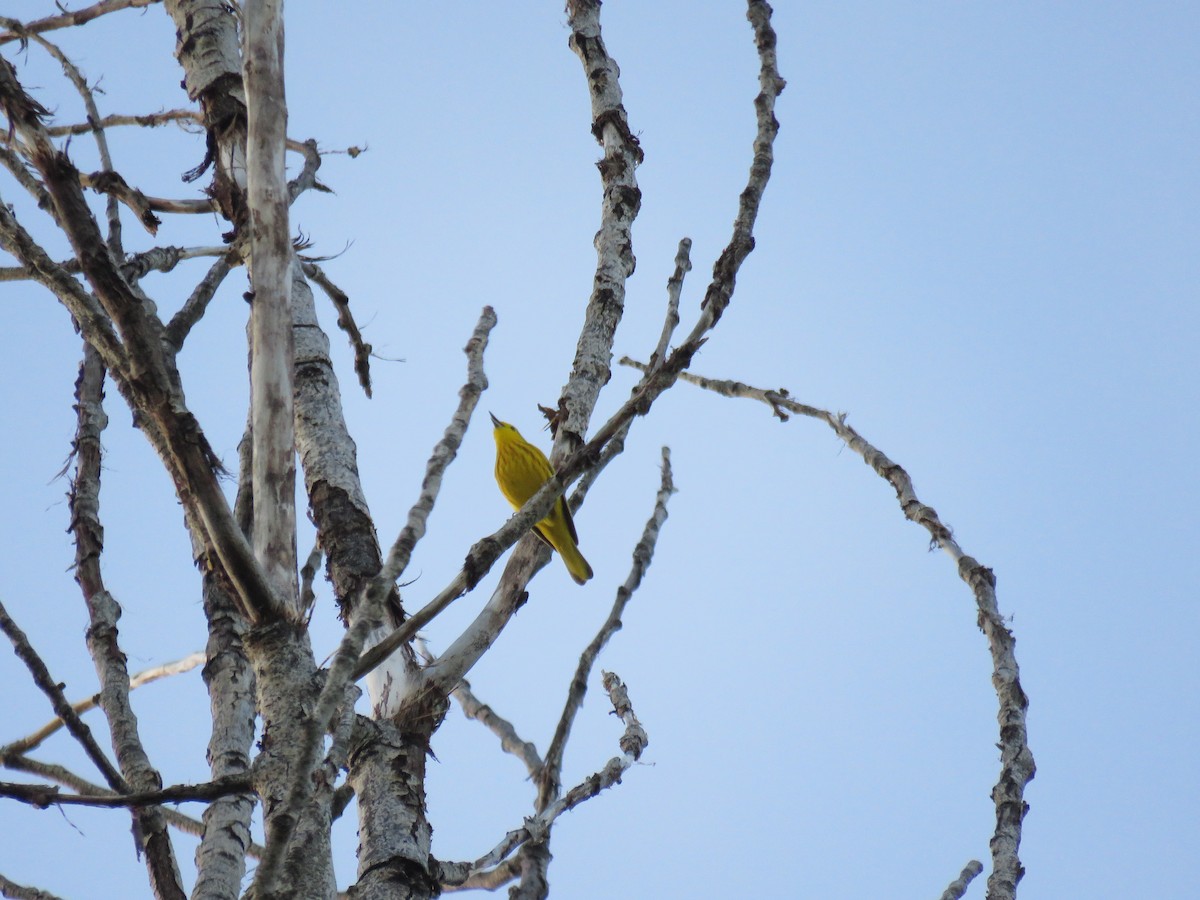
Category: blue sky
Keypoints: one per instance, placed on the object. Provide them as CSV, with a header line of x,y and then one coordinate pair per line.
x,y
979,241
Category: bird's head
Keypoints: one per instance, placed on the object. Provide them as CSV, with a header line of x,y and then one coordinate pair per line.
x,y
503,430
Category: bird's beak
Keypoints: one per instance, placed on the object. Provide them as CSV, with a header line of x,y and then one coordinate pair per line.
x,y
496,422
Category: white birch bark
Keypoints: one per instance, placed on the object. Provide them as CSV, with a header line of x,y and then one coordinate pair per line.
x,y
271,353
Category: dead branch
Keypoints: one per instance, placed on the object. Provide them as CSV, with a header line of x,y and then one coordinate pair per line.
x,y
44,795
549,779
193,308
102,635
958,887
510,741
149,120
21,892
20,32
54,692
307,179
1017,766
633,742
75,76
146,676
476,709
621,200
345,320
142,206
61,775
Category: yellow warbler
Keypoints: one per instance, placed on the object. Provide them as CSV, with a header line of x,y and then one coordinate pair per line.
x,y
521,468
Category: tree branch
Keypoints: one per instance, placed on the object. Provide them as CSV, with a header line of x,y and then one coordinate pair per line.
x,y
149,120
116,188
464,652
1016,760
348,665
18,31
87,314
102,635
958,887
197,302
272,355
20,892
510,741
549,779
401,550
476,709
75,76
178,820
150,389
633,742
345,320
54,692
154,673
621,200
44,795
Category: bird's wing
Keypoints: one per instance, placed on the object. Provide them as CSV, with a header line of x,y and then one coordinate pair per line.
x,y
566,510
541,537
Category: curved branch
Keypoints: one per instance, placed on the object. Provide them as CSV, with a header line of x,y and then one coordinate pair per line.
x,y
1017,766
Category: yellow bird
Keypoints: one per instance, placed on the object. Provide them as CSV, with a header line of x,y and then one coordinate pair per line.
x,y
521,468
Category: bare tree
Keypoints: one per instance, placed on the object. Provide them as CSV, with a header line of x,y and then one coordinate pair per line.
x,y
314,752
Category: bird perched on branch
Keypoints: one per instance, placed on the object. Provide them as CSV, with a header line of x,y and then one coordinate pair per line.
x,y
521,468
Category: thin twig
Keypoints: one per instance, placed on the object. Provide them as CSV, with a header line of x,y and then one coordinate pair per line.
x,y
510,741
149,120
683,265
146,676
177,820
135,266
633,742
75,76
345,321
54,692
43,795
474,708
19,31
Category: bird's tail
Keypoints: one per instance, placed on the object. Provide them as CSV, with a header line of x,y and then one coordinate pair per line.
x,y
576,564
